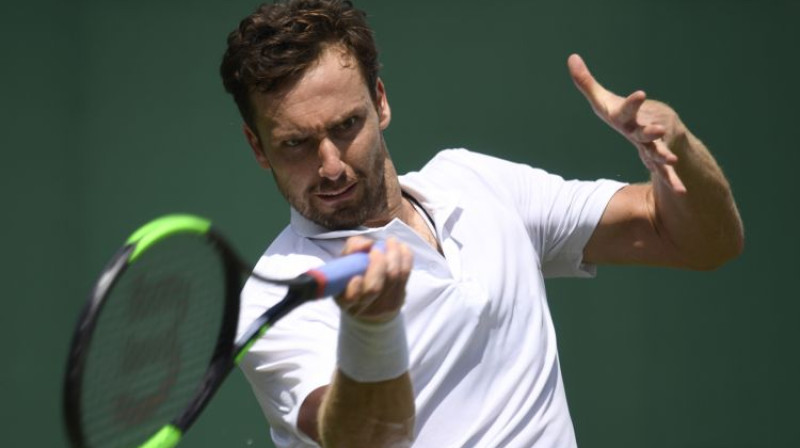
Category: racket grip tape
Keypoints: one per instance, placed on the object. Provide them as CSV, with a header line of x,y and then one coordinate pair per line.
x,y
332,277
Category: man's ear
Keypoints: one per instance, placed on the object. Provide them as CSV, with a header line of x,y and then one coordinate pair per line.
x,y
256,146
384,111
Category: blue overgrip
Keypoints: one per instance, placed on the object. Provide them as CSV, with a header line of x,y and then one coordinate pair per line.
x,y
337,273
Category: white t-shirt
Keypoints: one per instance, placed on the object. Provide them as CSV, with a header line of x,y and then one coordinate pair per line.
x,y
482,347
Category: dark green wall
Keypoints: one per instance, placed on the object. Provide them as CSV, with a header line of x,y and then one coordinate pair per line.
x,y
113,113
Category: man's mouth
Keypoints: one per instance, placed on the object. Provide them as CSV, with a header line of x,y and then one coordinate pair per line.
x,y
337,194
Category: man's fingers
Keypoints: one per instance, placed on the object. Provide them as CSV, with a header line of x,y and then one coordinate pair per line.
x,y
673,180
406,262
348,298
645,134
381,290
650,133
626,117
667,167
663,153
668,175
661,162
376,273
657,152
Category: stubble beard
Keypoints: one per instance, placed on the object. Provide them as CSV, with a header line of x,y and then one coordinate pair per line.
x,y
372,203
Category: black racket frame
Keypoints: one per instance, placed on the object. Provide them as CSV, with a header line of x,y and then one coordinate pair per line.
x,y
223,360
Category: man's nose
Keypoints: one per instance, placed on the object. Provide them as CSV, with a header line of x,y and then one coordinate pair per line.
x,y
331,165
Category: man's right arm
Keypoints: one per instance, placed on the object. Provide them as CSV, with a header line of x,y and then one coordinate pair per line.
x,y
355,414
367,405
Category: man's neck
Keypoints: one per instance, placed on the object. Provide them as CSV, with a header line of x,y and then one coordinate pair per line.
x,y
402,206
419,220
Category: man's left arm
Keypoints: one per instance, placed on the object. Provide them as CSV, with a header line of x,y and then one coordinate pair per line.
x,y
686,215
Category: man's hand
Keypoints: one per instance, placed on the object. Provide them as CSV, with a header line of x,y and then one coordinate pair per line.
x,y
686,217
378,295
652,127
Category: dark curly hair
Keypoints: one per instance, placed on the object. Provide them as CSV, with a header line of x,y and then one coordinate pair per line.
x,y
272,48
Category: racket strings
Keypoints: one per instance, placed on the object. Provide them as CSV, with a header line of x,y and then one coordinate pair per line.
x,y
153,341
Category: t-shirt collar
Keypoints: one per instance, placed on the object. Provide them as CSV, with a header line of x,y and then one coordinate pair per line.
x,y
440,204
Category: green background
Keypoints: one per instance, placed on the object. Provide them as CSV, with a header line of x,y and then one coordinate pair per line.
x,y
113,113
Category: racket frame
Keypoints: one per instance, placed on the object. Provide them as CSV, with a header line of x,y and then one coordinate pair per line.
x,y
327,280
224,356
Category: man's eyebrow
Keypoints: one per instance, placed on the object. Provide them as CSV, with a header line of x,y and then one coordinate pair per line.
x,y
281,130
355,110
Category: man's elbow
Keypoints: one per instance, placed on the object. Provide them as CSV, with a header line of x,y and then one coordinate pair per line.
x,y
714,257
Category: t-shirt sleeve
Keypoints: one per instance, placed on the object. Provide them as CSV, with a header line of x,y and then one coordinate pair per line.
x,y
560,216
293,358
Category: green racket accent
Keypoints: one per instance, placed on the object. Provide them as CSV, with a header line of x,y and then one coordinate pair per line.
x,y
247,346
163,227
167,437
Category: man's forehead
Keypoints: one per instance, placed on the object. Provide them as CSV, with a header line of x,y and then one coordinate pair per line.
x,y
333,85
279,109
288,119
335,63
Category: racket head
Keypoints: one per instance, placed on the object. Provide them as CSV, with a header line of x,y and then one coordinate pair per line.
x,y
162,313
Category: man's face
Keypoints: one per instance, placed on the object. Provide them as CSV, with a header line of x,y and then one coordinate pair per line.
x,y
322,140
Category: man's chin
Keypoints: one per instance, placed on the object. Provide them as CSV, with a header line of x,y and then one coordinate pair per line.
x,y
342,218
339,222
347,214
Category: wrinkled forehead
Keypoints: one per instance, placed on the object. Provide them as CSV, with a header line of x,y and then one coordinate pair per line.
x,y
330,87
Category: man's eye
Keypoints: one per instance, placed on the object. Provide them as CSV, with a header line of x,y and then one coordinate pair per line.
x,y
348,124
292,143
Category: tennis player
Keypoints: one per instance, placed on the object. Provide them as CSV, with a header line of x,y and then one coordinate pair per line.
x,y
453,346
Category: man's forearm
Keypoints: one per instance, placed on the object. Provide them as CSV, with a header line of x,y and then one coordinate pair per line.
x,y
379,415
704,223
370,402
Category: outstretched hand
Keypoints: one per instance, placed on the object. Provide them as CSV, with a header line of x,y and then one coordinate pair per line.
x,y
651,126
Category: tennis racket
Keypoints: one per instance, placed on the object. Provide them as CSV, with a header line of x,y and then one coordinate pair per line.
x,y
156,338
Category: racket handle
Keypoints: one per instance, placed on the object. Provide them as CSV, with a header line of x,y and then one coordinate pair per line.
x,y
332,277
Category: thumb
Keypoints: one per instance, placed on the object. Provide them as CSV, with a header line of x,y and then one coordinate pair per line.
x,y
585,82
357,244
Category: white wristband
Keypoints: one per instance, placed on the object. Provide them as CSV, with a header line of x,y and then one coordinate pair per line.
x,y
372,352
